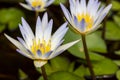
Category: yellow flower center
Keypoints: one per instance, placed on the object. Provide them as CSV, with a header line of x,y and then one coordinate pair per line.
x,y
42,46
36,3
87,18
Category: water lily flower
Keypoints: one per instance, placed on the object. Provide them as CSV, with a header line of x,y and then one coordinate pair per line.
x,y
85,18
42,46
37,5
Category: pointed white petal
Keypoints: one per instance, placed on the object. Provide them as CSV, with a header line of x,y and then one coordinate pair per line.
x,y
62,48
26,6
25,35
62,28
39,64
44,21
27,28
66,13
102,15
49,2
19,46
22,42
83,4
48,31
55,41
26,54
39,30
46,55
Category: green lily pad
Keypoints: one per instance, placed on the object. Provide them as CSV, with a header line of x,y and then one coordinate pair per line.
x,y
112,31
94,43
118,74
57,2
116,5
11,17
63,75
80,71
117,62
22,75
57,64
2,27
117,20
104,67
117,52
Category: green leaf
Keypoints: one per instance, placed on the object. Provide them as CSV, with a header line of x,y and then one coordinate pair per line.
x,y
116,5
62,75
94,43
117,62
2,27
80,71
57,2
15,18
57,64
111,30
11,17
117,20
118,74
4,16
22,75
117,52
104,67
71,67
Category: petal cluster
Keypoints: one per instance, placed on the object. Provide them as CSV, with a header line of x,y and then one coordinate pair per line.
x,y
37,5
85,17
42,45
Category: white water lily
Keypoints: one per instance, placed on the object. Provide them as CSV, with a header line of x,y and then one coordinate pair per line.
x,y
42,46
85,18
37,5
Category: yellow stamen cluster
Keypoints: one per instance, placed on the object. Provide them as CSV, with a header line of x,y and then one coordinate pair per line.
x,y
87,18
36,3
42,46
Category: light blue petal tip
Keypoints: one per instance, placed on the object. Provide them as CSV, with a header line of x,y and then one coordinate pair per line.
x,y
46,55
39,53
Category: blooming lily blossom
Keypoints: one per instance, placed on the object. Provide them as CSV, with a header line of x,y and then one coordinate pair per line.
x,y
85,18
42,46
37,5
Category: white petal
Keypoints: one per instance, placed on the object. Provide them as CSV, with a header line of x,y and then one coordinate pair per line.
x,y
62,27
44,21
22,42
62,48
19,46
39,31
48,31
26,37
102,15
27,28
26,6
24,53
56,40
46,55
66,13
39,64
49,2
83,4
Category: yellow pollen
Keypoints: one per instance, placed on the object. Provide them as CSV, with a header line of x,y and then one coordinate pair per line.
x,y
42,46
87,18
36,3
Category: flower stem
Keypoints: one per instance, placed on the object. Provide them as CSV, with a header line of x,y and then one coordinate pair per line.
x,y
87,57
104,23
44,73
36,14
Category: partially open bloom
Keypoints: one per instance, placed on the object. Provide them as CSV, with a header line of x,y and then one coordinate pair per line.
x,y
85,18
42,46
37,5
